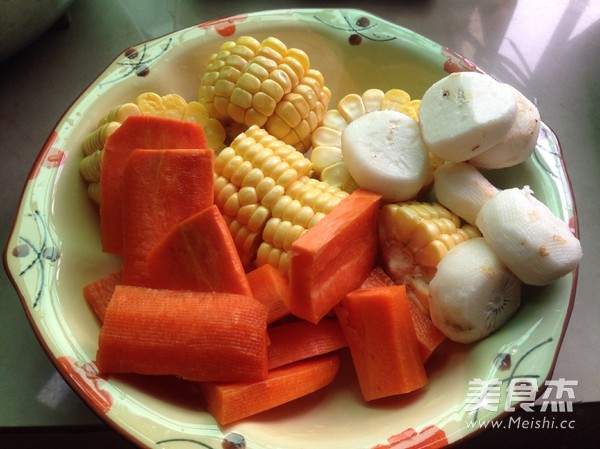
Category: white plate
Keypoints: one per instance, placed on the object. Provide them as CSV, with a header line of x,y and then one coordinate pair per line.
x,y
54,250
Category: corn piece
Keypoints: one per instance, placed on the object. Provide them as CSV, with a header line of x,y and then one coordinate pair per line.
x,y
414,237
96,139
90,166
120,113
265,84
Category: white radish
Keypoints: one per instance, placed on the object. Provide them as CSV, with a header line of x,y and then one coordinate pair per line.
x,y
384,153
534,243
520,141
465,114
462,189
472,293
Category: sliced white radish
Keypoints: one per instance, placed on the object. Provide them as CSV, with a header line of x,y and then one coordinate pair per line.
x,y
520,141
384,153
465,114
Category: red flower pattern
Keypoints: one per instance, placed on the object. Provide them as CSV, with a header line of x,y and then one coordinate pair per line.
x,y
49,157
88,380
225,26
431,437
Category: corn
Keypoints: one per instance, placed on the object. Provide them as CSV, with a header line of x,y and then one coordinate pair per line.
x,y
414,237
263,190
120,113
149,103
266,84
326,153
176,107
90,166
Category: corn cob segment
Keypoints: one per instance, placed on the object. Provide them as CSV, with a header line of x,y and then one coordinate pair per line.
x,y
149,103
414,237
263,189
326,153
248,82
305,203
251,176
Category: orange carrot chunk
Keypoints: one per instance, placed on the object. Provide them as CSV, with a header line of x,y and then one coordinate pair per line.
x,y
135,132
428,336
198,254
98,293
334,257
229,402
270,286
377,278
298,340
197,336
162,188
381,337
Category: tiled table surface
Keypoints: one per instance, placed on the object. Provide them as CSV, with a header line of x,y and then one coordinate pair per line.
x,y
550,51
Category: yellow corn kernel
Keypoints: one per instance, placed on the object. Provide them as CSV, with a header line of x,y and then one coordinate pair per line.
x,y
93,191
334,120
214,131
150,103
336,174
372,99
351,107
399,100
268,254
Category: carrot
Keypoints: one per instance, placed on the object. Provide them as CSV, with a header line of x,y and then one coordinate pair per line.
x,y
334,257
378,327
197,336
229,402
377,278
98,293
198,254
291,342
428,336
135,132
270,286
162,188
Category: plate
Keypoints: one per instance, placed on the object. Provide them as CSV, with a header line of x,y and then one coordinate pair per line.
x,y
54,250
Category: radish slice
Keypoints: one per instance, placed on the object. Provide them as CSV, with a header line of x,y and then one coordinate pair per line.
x,y
384,153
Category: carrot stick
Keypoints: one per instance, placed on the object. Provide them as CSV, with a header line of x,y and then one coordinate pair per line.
x,y
381,337
428,336
270,286
198,254
162,188
298,340
230,402
135,132
98,293
334,257
193,335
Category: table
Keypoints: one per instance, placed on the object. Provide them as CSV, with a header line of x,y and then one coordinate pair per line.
x,y
551,53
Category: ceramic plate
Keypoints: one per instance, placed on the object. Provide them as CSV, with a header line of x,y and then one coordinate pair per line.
x,y
54,250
